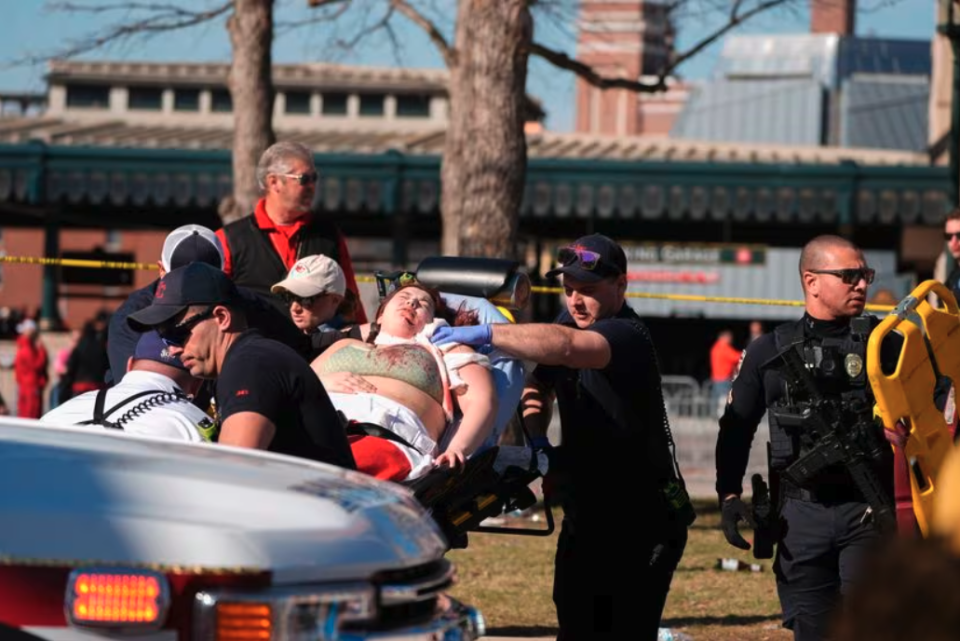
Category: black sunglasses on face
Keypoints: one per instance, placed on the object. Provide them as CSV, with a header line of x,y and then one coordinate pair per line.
x,y
289,299
948,236
850,276
304,179
177,335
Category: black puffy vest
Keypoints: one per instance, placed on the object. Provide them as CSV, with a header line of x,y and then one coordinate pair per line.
x,y
258,266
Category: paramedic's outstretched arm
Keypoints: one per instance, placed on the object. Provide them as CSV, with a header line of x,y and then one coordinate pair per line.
x,y
478,405
543,343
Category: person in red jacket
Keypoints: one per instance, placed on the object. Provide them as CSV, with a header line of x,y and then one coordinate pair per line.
x,y
724,359
30,369
260,249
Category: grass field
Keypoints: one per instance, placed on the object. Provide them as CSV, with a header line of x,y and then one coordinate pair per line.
x,y
510,579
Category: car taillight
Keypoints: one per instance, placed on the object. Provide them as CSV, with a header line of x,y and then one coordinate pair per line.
x,y
117,598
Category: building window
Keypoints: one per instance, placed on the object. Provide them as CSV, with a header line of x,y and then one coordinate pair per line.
x,y
298,102
220,101
371,104
88,96
145,98
334,104
413,106
186,100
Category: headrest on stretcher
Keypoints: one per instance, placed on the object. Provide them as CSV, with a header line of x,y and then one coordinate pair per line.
x,y
495,279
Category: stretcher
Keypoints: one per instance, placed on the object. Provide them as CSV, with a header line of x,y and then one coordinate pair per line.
x,y
905,397
496,479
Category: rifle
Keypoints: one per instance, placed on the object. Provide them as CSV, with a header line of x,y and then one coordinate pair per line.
x,y
834,431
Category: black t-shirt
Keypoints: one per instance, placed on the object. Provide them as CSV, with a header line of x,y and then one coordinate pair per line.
x,y
603,459
267,377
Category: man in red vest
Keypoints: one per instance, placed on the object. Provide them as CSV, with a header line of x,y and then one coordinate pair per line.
x,y
260,249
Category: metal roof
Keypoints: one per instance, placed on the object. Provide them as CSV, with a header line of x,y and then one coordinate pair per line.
x,y
786,112
804,55
312,74
827,58
886,112
344,140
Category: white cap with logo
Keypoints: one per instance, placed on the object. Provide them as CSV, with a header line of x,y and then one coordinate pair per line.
x,y
313,275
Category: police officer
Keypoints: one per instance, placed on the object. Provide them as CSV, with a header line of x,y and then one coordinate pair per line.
x,y
826,522
598,360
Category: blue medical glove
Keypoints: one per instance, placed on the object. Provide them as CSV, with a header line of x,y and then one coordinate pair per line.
x,y
469,335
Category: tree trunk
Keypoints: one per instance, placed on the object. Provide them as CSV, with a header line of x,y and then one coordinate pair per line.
x,y
485,153
251,90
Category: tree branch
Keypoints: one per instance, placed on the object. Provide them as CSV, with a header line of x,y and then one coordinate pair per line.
x,y
590,75
734,21
167,17
446,51
382,23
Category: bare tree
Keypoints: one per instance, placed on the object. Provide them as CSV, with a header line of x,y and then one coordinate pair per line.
x,y
251,89
484,163
250,27
484,160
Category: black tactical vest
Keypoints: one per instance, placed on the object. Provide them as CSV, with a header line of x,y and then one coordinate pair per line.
x,y
258,266
838,364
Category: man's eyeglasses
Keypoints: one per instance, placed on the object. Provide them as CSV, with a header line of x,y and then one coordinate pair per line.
x,y
948,236
177,335
850,276
569,255
304,179
303,301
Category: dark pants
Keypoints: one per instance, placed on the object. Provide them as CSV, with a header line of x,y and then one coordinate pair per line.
x,y
610,585
820,552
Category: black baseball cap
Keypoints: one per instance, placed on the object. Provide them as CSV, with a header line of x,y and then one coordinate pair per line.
x,y
590,259
192,284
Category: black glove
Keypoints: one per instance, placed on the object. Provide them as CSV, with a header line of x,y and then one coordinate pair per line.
x,y
732,511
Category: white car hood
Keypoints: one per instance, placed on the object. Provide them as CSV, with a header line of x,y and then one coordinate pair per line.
x,y
76,496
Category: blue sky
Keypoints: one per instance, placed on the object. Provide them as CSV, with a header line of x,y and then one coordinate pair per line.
x,y
27,27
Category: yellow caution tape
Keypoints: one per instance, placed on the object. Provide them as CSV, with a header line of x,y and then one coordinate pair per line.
x,y
104,264
76,262
713,299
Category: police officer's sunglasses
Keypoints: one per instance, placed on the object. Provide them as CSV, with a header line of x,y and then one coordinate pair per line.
x,y
303,301
567,256
849,276
304,179
177,335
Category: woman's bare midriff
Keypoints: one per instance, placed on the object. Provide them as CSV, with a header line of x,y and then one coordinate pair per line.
x,y
419,402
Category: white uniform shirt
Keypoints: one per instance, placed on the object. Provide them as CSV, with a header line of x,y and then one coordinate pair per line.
x,y
179,419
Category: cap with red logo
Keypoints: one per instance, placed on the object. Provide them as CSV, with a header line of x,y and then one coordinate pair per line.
x,y
312,276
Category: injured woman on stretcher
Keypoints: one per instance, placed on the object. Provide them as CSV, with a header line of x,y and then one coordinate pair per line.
x,y
413,406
